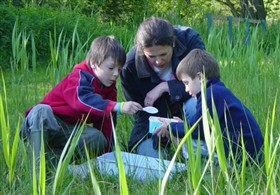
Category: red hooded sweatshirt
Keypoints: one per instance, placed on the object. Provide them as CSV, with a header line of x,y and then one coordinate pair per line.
x,y
79,94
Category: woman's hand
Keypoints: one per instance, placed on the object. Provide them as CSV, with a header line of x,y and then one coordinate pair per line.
x,y
155,93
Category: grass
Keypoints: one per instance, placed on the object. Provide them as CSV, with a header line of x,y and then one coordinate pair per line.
x,y
250,72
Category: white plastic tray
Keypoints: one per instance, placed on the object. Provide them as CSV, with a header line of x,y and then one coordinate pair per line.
x,y
137,166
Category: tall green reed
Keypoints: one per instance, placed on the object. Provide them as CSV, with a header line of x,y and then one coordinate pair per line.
x,y
24,57
39,170
65,159
65,53
20,57
271,146
193,161
9,150
94,183
121,170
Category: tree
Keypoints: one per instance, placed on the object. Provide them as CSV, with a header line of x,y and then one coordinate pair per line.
x,y
253,9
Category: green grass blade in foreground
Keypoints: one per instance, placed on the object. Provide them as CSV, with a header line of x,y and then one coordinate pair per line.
x,y
242,174
212,135
42,171
218,137
121,170
34,178
270,151
194,163
5,134
9,156
14,154
66,155
205,117
94,183
39,169
268,148
171,164
206,129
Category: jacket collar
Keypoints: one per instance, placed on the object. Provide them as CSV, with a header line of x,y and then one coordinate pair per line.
x,y
208,84
179,48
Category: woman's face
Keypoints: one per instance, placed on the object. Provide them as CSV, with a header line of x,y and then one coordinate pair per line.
x,y
159,55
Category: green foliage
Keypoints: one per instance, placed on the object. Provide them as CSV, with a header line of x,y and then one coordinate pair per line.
x,y
58,36
272,8
40,22
94,18
9,149
251,73
269,37
120,11
8,15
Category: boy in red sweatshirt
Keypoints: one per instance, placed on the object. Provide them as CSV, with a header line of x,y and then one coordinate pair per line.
x,y
87,94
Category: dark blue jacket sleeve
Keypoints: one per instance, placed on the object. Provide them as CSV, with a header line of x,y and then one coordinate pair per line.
x,y
177,129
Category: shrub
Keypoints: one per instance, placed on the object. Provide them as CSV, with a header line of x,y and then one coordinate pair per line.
x,y
41,21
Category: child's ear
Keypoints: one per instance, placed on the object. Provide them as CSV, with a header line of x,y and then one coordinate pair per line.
x,y
92,65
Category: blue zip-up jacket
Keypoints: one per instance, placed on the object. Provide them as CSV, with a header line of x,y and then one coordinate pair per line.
x,y
138,78
234,117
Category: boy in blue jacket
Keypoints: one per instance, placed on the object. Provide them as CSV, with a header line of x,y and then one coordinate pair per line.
x,y
236,121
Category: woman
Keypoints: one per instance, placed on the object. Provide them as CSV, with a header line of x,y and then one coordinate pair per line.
x,y
149,78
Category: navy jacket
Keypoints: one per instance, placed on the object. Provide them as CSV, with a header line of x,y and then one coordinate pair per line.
x,y
233,117
138,78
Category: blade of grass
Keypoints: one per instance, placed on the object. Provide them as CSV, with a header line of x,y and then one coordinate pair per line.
x,y
171,164
66,155
9,155
94,183
269,153
121,170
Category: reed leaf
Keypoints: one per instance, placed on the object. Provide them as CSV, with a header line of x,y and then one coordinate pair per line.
x,y
14,154
270,150
34,175
219,144
121,170
9,154
171,164
94,182
66,156
5,133
42,171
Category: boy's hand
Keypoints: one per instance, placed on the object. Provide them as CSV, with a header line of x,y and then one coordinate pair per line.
x,y
130,107
162,130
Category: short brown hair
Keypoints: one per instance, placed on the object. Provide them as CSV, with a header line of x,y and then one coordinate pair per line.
x,y
196,61
103,47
